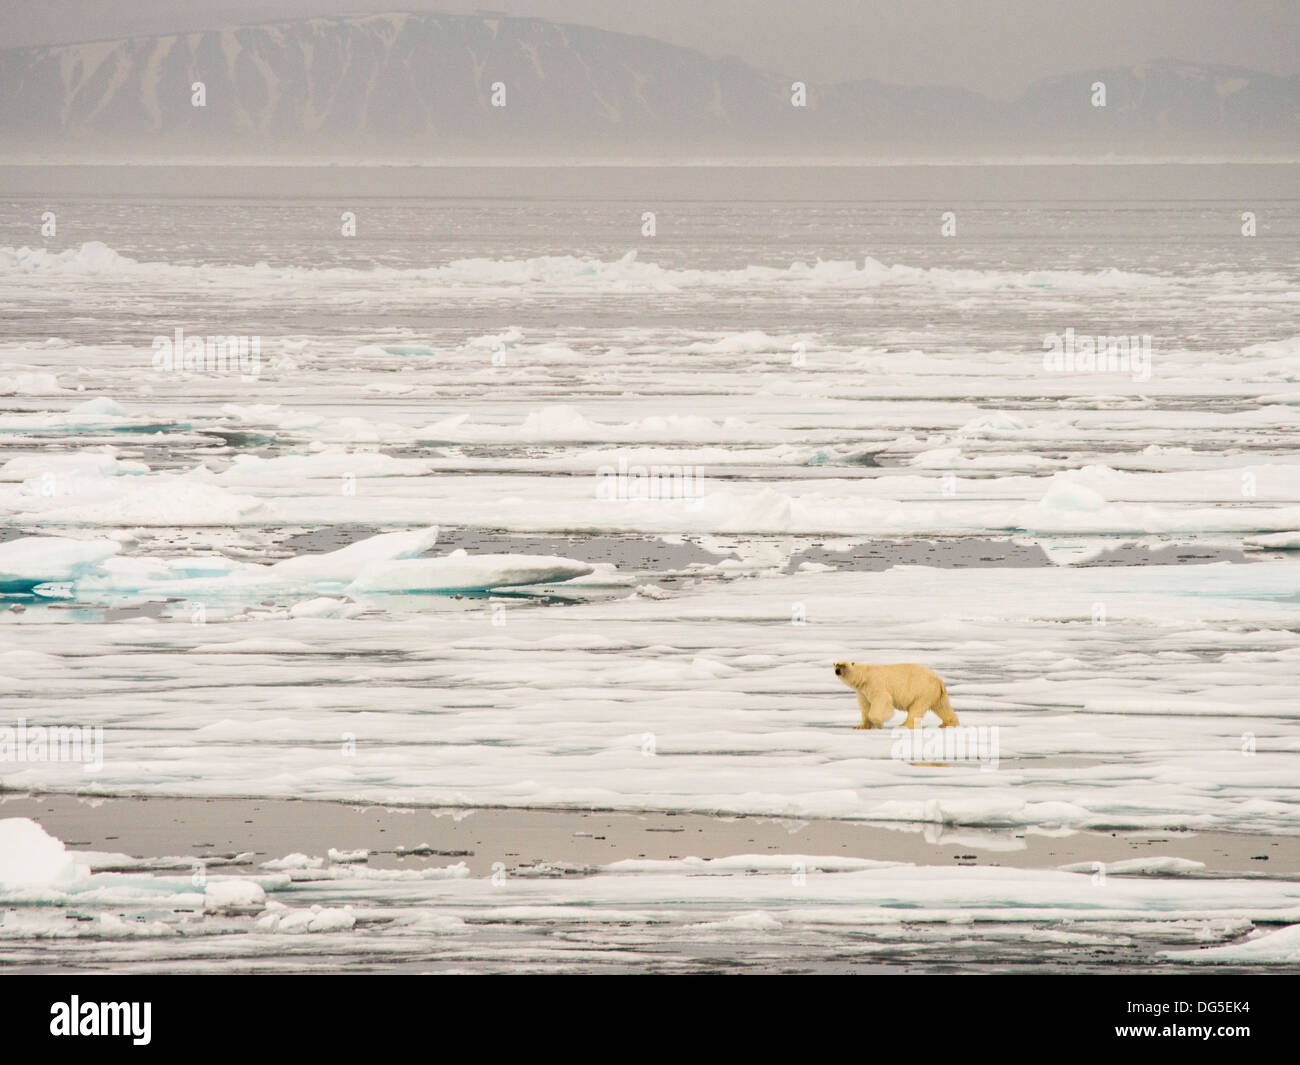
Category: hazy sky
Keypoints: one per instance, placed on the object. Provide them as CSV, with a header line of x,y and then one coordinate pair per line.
x,y
993,46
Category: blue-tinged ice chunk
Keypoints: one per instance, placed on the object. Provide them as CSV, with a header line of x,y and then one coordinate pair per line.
x,y
408,349
33,560
212,576
30,855
100,413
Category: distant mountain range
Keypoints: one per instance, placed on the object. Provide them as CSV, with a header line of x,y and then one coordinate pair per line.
x,y
421,86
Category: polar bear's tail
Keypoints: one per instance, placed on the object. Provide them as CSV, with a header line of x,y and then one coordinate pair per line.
x,y
944,708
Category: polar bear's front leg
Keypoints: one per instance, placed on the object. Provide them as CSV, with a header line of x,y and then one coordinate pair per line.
x,y
881,709
865,707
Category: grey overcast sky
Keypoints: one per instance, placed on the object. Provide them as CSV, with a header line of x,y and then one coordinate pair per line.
x,y
992,46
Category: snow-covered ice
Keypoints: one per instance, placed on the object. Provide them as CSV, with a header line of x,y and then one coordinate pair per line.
x,y
664,915
387,568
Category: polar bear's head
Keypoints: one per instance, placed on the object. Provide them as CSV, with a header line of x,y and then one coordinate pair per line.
x,y
854,674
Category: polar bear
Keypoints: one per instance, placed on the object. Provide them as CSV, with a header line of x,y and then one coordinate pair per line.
x,y
884,689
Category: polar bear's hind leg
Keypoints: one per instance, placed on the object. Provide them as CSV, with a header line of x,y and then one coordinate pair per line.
x,y
944,709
